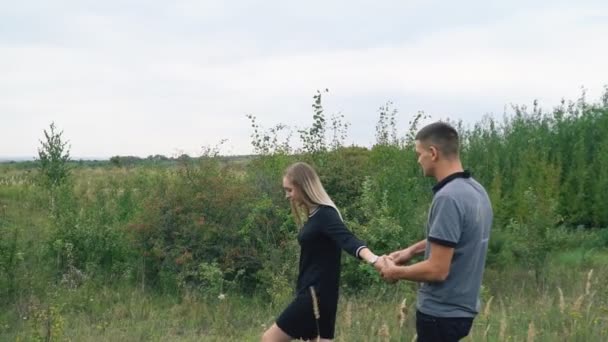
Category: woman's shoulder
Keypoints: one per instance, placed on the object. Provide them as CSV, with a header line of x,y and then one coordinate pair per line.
x,y
327,211
326,208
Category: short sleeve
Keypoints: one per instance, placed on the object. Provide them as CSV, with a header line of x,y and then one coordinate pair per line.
x,y
445,226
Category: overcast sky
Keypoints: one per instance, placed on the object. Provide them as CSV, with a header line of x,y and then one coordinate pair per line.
x,y
166,77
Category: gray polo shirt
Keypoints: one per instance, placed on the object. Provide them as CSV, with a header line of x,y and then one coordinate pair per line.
x,y
460,217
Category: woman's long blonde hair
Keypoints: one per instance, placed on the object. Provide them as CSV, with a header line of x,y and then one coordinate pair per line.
x,y
304,177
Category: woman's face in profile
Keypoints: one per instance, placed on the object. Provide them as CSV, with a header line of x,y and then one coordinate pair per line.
x,y
291,191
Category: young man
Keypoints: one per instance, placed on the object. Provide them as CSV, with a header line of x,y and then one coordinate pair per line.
x,y
458,229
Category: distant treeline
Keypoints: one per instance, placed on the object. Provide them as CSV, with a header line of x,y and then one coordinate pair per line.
x,y
126,161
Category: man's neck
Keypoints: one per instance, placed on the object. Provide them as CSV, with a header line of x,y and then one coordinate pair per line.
x,y
448,169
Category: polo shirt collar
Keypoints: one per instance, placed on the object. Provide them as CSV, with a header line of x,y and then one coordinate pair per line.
x,y
446,180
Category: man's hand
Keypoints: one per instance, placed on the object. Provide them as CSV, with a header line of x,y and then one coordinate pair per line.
x,y
387,269
401,257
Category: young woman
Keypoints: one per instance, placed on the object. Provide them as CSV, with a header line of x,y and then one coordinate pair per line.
x,y
322,238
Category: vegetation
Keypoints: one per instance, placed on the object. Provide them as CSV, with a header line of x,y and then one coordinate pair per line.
x,y
204,248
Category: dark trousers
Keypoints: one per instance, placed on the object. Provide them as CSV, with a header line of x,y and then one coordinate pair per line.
x,y
441,329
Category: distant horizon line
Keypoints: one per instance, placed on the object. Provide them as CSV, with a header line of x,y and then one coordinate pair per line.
x,y
99,158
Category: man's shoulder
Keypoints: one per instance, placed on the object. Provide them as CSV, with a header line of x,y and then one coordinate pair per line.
x,y
461,192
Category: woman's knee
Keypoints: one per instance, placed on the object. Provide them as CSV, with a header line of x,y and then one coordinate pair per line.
x,y
275,334
267,336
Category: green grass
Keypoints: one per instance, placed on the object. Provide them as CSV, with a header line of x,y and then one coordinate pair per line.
x,y
104,314
577,257
123,313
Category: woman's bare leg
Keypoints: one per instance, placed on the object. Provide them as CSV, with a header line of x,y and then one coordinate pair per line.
x,y
275,334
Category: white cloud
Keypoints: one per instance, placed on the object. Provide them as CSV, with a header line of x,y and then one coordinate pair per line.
x,y
120,84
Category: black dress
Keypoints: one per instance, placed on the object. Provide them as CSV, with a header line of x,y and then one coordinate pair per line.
x,y
321,239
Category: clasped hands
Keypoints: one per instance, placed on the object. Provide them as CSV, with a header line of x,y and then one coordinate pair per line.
x,y
389,266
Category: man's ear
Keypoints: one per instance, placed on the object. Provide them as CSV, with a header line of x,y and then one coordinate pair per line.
x,y
434,153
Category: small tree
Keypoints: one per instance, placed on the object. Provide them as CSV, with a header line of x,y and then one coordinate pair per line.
x,y
115,161
53,158
386,128
313,138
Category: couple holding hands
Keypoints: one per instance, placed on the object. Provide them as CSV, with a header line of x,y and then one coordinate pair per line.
x,y
455,248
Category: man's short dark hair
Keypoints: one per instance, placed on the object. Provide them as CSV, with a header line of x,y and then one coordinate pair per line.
x,y
441,135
